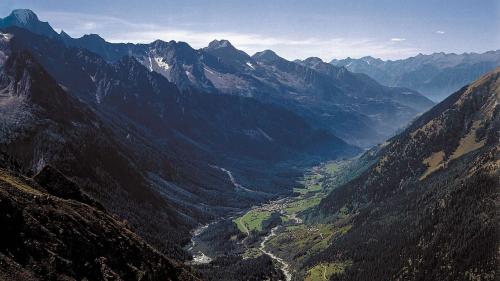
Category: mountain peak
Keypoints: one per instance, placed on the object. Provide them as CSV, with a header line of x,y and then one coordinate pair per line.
x,y
217,44
27,19
64,35
93,38
24,16
266,55
313,60
159,42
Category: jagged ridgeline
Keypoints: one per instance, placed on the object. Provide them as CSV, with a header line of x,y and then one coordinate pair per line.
x,y
327,96
436,75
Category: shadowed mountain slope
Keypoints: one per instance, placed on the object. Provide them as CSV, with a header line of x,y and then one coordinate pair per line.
x,y
47,237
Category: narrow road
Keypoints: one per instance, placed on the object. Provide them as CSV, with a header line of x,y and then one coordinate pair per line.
x,y
233,180
245,228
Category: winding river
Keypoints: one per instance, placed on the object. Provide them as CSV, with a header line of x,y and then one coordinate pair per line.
x,y
288,206
276,206
284,266
198,256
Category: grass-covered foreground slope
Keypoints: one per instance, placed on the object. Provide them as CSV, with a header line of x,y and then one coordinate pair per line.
x,y
49,233
427,208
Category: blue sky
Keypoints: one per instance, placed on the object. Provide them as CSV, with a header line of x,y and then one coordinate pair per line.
x,y
389,29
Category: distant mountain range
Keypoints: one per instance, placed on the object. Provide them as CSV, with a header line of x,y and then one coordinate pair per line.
x,y
435,76
425,204
328,97
332,99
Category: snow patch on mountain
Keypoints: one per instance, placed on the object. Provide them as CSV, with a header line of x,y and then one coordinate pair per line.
x,y
5,37
159,61
190,76
250,65
4,47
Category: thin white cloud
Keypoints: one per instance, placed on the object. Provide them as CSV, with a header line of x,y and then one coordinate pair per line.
x,y
398,39
440,32
119,30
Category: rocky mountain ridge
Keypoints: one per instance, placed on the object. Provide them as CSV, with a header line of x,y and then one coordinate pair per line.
x,y
335,100
435,75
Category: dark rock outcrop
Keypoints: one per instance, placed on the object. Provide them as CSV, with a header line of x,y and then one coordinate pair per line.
x,y
45,237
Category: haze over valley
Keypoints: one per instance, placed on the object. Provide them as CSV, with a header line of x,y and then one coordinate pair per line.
x,y
163,160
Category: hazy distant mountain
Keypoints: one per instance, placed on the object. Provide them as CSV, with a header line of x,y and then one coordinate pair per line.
x,y
436,75
424,208
333,102
342,99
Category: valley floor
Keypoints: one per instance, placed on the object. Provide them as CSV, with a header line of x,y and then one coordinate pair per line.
x,y
276,229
